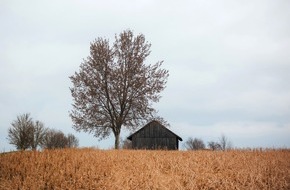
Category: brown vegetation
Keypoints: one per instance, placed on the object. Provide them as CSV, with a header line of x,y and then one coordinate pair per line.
x,y
136,169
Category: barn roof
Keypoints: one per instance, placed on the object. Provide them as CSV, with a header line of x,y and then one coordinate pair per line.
x,y
154,121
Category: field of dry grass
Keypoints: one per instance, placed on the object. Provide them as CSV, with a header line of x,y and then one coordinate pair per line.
x,y
129,169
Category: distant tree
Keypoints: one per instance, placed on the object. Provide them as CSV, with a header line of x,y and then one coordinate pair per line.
x,y
194,144
39,132
54,139
20,133
57,139
214,145
115,88
72,141
225,143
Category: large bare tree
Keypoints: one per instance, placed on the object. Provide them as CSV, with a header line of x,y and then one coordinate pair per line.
x,y
114,87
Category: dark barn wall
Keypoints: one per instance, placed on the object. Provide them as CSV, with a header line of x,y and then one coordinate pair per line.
x,y
155,143
154,136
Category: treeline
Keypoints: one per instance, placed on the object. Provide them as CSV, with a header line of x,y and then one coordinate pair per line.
x,y
223,144
25,133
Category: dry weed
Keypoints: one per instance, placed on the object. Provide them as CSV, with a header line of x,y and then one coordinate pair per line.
x,y
140,169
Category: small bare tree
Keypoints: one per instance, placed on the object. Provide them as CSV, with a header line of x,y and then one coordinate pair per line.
x,y
57,139
194,144
225,143
24,133
114,88
39,132
214,145
20,133
72,141
54,139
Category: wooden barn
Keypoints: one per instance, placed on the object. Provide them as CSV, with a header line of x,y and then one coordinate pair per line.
x,y
154,136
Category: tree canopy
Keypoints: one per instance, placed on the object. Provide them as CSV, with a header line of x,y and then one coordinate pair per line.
x,y
114,87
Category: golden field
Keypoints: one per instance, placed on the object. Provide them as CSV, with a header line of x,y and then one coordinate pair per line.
x,y
141,169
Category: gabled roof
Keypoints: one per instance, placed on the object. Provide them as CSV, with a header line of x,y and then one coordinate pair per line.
x,y
154,121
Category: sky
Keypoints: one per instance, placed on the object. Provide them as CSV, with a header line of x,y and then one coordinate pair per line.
x,y
228,61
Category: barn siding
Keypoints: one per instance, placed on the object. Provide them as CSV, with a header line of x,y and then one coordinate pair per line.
x,y
154,143
154,136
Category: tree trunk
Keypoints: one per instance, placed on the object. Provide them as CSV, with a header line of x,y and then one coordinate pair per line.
x,y
117,140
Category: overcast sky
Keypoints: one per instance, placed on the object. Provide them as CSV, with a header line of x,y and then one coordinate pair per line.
x,y
229,63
